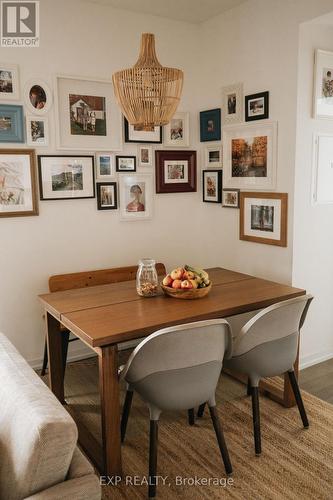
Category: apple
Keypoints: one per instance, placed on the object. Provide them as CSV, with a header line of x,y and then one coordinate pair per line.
x,y
188,275
194,283
177,273
176,284
185,284
167,281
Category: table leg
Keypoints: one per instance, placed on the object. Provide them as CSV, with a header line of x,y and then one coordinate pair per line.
x,y
110,409
54,347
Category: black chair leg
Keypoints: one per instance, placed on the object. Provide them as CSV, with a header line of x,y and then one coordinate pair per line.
x,y
249,387
64,348
298,397
256,419
152,458
190,413
45,360
201,410
125,414
220,439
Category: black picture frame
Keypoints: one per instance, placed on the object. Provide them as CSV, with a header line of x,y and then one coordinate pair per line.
x,y
99,186
213,116
219,185
127,157
143,140
253,97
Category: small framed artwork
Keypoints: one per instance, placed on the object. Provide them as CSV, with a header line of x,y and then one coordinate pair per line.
x,y
177,132
232,103
11,123
66,177
257,106
210,125
18,189
263,218
132,134
230,198
38,97
213,156
249,156
37,131
9,82
323,85
322,190
176,171
107,195
125,163
104,166
145,155
136,197
212,186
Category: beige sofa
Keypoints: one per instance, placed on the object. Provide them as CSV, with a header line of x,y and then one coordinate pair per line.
x,y
39,458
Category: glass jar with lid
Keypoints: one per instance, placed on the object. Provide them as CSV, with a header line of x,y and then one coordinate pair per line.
x,y
146,278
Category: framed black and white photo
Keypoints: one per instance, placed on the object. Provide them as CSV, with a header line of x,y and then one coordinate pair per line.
x,y
213,156
133,134
210,125
9,82
104,165
230,198
11,123
177,131
257,106
125,163
107,196
145,155
323,85
212,186
37,131
232,103
136,197
66,177
38,97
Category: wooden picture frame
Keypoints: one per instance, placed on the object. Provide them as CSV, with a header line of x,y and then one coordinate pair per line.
x,y
120,166
102,202
176,171
210,125
264,220
257,106
213,192
11,123
144,136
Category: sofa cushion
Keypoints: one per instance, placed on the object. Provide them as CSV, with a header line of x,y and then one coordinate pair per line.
x,y
37,435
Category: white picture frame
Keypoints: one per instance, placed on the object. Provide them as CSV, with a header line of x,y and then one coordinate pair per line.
x,y
176,133
322,182
104,166
240,173
213,156
9,82
87,134
37,131
127,184
38,96
145,155
323,85
232,104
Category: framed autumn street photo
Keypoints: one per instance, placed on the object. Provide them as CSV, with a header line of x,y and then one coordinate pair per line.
x,y
212,186
176,171
107,196
263,218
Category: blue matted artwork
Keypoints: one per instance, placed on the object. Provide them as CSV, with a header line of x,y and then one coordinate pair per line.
x,y
210,125
11,123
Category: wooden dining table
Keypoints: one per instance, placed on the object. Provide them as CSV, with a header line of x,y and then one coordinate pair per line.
x,y
105,316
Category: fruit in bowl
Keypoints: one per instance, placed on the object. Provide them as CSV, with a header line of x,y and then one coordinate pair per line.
x,y
186,282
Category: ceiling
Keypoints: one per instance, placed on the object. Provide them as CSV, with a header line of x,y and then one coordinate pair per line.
x,y
192,11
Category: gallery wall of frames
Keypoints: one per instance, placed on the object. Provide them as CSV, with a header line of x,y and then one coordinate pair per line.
x,y
237,160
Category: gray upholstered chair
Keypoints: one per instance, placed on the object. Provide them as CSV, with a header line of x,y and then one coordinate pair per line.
x,y
175,369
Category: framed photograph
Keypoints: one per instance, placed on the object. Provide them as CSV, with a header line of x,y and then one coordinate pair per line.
x,y
212,186
107,195
177,132
257,106
18,189
213,156
210,125
66,177
322,186
11,123
104,166
38,97
230,198
37,131
132,134
125,163
88,117
232,103
323,85
145,155
249,156
9,82
176,171
136,197
263,218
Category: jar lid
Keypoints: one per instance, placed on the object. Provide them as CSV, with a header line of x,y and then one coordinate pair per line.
x,y
147,262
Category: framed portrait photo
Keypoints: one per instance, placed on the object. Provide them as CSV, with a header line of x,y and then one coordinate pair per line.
x,y
107,196
213,156
37,131
9,82
18,189
177,132
136,197
104,164
232,103
11,123
230,198
38,97
133,134
210,125
263,218
66,177
257,106
249,156
145,155
212,186
125,163
323,84
176,171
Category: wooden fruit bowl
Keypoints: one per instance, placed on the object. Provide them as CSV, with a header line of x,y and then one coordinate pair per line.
x,y
192,293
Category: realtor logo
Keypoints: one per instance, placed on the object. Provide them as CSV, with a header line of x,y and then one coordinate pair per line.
x,y
19,24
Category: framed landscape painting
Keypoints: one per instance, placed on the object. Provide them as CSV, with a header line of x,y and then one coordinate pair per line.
x,y
176,171
136,197
133,134
9,82
104,166
18,190
212,186
323,85
125,163
11,123
177,132
66,177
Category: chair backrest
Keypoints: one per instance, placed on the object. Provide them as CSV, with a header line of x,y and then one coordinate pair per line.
x,y
61,282
179,367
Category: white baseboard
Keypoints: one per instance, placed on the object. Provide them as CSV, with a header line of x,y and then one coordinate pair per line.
x,y
314,359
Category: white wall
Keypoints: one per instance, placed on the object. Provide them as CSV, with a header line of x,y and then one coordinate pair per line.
x,y
313,233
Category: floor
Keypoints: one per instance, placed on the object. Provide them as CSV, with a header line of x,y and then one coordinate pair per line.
x,y
318,380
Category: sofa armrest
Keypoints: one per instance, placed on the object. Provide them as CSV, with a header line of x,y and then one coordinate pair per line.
x,y
80,466
80,488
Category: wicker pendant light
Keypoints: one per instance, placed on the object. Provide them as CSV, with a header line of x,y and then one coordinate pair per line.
x,y
148,93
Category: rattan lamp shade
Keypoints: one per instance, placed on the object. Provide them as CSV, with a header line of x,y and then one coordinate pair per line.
x,y
148,93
